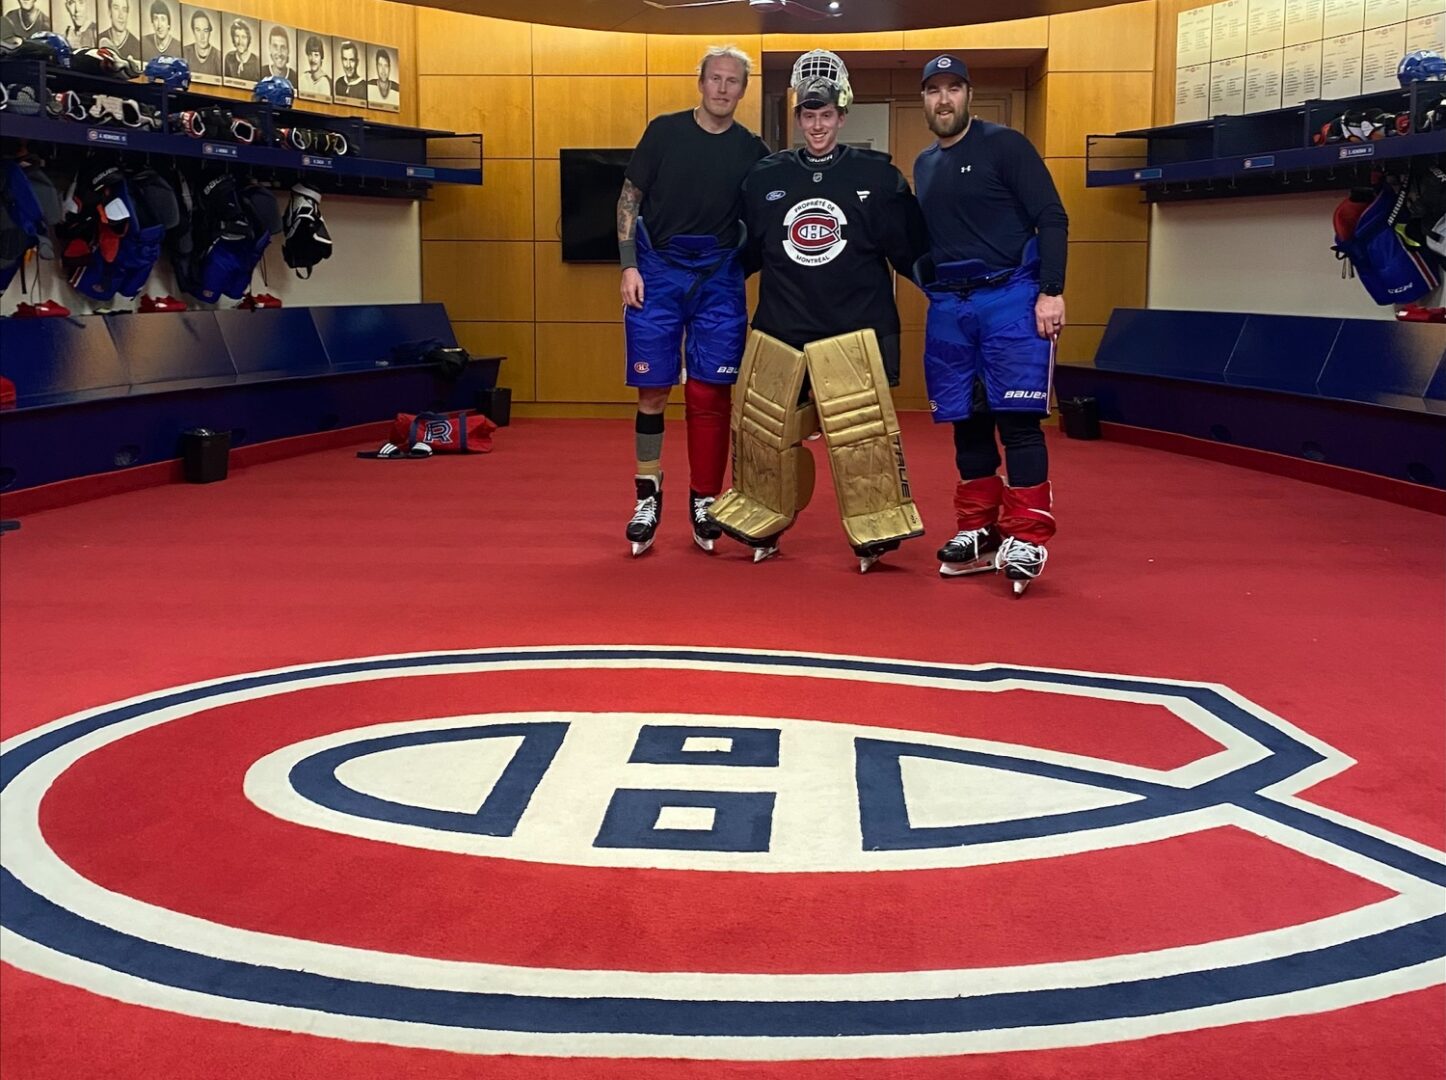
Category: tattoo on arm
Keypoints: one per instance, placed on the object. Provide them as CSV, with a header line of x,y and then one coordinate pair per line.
x,y
628,203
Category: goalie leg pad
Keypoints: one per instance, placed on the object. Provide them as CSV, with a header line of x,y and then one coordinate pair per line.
x,y
865,451
772,472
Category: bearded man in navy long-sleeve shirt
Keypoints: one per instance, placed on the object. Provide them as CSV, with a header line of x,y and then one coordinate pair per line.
x,y
995,279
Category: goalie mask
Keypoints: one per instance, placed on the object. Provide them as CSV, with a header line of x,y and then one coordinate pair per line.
x,y
823,75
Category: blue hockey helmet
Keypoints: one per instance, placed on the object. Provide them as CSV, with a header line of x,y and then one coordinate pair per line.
x,y
274,90
171,70
57,44
1423,65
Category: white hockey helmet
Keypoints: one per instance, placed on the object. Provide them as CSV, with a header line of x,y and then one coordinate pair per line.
x,y
819,66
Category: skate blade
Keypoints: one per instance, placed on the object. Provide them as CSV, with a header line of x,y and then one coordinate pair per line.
x,y
704,543
640,546
978,566
759,554
866,561
1021,585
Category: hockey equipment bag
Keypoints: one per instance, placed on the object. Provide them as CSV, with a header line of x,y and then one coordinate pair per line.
x,y
444,433
1368,242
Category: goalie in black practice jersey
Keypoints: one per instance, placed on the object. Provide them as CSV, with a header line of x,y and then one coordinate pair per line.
x,y
824,224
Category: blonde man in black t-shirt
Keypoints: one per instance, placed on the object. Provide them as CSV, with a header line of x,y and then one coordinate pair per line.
x,y
682,285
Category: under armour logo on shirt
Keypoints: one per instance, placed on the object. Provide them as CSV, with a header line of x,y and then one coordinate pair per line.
x,y
965,168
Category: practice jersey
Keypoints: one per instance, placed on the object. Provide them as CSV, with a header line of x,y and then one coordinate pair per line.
x,y
690,177
987,196
823,233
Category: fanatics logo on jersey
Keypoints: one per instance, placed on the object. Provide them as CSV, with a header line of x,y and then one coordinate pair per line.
x,y
814,232
863,195
774,196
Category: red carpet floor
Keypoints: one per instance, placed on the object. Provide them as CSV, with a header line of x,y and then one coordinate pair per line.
x,y
1323,609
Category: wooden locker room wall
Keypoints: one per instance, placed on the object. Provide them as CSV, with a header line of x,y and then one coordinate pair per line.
x,y
493,255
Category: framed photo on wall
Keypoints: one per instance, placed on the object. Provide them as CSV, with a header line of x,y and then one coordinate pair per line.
x,y
162,35
120,27
383,89
315,60
21,18
74,20
241,63
201,42
349,71
278,51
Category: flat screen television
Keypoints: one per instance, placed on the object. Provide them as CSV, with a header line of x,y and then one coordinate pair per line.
x,y
591,183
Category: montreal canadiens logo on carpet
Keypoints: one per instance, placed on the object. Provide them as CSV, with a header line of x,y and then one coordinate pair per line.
x,y
246,849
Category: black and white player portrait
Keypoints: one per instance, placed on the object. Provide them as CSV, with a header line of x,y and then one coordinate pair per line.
x,y
120,27
201,46
163,29
383,90
278,51
74,20
21,18
315,84
241,63
349,68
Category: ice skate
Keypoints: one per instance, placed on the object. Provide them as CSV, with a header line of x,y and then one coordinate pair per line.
x,y
872,553
705,530
644,523
765,548
1021,562
971,551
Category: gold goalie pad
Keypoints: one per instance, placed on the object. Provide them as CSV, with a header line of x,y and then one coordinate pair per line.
x,y
772,472
862,433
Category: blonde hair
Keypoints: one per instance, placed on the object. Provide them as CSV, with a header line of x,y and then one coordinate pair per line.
x,y
732,52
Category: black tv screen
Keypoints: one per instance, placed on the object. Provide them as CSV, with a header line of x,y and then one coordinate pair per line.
x,y
591,183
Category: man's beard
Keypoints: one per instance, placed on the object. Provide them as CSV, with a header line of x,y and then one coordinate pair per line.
x,y
946,126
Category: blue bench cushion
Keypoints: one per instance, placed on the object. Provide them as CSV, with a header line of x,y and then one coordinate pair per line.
x,y
55,361
1183,344
1282,352
369,336
275,343
1384,363
172,350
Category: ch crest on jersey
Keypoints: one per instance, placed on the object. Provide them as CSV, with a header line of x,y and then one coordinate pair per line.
x,y
813,232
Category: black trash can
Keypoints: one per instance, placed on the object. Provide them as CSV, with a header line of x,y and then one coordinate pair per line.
x,y
1080,417
205,455
496,404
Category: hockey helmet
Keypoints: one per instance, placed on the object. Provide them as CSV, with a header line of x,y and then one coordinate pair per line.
x,y
171,70
823,75
1423,65
275,90
57,45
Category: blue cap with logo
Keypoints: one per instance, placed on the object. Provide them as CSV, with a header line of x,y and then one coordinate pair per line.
x,y
945,65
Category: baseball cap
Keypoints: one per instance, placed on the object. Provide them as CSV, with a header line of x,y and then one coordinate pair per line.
x,y
817,93
945,65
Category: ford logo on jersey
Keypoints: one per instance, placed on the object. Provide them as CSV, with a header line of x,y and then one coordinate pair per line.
x,y
774,196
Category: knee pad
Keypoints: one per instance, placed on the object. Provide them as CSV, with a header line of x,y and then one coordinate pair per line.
x,y
772,472
861,429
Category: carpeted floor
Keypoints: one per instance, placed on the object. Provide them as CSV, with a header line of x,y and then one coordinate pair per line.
x,y
1322,609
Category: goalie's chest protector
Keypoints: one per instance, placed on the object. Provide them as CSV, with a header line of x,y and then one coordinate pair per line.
x,y
824,271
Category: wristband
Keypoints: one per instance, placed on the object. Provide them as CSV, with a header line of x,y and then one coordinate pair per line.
x,y
628,254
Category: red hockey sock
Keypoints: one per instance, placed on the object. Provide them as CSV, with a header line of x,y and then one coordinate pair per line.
x,y
976,502
1026,515
706,406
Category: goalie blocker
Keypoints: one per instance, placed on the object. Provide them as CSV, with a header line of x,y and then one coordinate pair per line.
x,y
773,475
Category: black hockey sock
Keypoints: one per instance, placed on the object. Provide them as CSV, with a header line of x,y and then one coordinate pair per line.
x,y
648,436
1024,450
